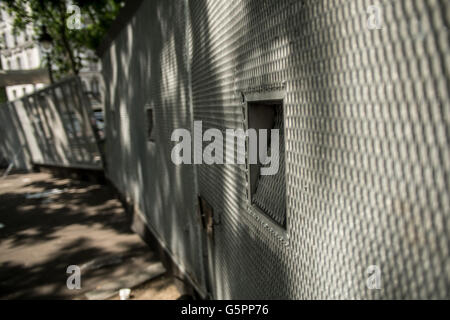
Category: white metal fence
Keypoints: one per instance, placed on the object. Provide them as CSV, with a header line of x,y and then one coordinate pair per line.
x,y
52,126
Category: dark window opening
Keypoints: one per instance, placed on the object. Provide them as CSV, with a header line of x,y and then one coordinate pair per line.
x,y
150,124
268,192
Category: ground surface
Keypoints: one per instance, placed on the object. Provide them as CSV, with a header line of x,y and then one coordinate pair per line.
x,y
79,224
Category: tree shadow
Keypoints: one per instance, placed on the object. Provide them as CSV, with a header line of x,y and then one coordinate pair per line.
x,y
48,279
30,221
150,54
246,258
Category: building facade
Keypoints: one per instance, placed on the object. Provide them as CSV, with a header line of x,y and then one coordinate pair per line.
x,y
22,52
18,52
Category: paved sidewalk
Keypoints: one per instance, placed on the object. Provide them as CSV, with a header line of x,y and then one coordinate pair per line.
x,y
71,223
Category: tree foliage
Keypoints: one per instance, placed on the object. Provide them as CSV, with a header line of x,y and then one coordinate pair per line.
x,y
70,45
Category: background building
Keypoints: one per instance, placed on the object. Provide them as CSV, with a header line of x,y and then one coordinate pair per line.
x,y
18,52
21,51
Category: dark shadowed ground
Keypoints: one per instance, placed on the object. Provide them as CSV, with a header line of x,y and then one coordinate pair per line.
x,y
79,224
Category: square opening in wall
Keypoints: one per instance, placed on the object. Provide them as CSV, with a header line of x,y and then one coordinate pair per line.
x,y
267,192
150,124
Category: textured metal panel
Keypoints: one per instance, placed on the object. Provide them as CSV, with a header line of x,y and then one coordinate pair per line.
x,y
366,141
367,149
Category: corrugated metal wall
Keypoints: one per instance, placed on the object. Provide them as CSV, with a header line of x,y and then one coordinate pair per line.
x,y
50,127
367,118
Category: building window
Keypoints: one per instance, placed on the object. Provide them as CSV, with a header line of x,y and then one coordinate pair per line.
x,y
95,86
150,123
30,59
14,92
267,193
19,63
